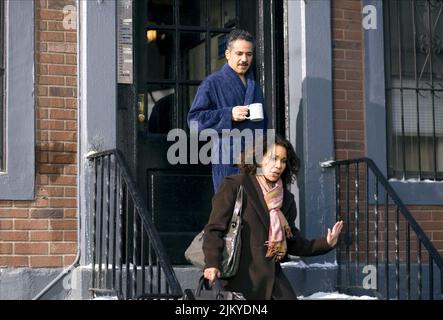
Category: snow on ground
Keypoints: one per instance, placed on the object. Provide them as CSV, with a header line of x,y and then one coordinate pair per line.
x,y
334,296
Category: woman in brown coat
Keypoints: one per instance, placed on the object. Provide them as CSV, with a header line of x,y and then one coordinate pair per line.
x,y
268,231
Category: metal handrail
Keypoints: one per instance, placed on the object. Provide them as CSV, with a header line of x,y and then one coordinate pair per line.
x,y
389,193
126,242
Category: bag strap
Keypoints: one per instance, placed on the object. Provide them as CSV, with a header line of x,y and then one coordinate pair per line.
x,y
237,213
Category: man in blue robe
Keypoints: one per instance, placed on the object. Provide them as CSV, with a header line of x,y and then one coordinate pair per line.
x,y
223,97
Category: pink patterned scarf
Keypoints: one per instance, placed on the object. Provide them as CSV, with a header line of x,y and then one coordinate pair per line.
x,y
279,228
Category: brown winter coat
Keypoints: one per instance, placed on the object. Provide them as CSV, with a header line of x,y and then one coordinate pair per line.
x,y
258,277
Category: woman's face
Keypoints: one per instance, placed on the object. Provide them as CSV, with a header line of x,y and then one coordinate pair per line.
x,y
274,163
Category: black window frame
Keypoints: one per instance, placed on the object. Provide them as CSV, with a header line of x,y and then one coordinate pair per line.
x,y
178,83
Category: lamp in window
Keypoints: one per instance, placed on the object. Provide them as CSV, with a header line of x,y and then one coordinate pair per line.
x,y
151,35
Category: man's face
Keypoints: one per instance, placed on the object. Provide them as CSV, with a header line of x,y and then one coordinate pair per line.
x,y
239,56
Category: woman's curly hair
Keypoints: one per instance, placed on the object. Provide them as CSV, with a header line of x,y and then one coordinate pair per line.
x,y
292,161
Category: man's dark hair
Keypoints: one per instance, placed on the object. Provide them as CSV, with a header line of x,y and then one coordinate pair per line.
x,y
292,160
238,34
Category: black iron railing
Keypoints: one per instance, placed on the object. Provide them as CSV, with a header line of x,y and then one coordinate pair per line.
x,y
383,249
128,257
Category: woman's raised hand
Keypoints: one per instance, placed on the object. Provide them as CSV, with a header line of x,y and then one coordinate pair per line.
x,y
332,236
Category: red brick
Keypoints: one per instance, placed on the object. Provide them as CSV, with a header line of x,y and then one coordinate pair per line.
x,y
340,135
42,91
63,248
51,36
41,202
353,75
63,158
51,146
55,26
47,213
353,135
63,180
353,35
6,224
339,114
70,192
355,115
70,236
337,13
63,135
338,34
70,125
352,15
70,213
353,55
62,70
42,69
339,94
71,59
51,124
71,81
347,64
339,54
62,48
62,92
45,14
51,58
70,170
63,114
346,4
46,235
14,213
68,259
51,102
347,124
71,37
71,103
70,147
348,85
42,47
46,261
51,80
354,95
437,235
30,224
42,26
14,235
42,157
5,248
63,203
63,224
339,74
13,261
31,248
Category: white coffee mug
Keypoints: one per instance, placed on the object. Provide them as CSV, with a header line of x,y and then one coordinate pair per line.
x,y
255,112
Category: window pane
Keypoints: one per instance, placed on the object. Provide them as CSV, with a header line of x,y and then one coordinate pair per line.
x,y
193,13
222,13
414,88
218,48
161,12
161,113
193,55
160,54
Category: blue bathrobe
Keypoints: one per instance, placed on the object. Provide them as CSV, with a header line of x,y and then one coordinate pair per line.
x,y
212,108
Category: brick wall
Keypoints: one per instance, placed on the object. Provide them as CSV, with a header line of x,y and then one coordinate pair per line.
x,y
348,86
42,233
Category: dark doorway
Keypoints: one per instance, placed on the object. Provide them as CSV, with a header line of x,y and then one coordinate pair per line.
x,y
177,44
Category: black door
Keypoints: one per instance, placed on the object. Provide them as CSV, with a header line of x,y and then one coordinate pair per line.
x,y
177,44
